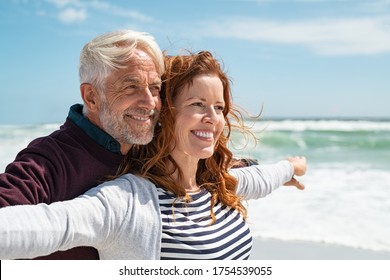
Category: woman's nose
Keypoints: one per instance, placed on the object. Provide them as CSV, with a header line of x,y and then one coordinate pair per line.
x,y
211,115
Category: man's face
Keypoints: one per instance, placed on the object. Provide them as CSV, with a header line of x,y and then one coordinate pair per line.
x,y
132,106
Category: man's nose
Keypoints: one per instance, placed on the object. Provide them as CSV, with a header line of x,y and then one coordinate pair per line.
x,y
147,100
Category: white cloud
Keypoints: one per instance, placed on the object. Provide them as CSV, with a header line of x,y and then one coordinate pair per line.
x,y
70,15
63,3
349,36
119,11
76,10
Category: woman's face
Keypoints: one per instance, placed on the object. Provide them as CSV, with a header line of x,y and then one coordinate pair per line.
x,y
199,118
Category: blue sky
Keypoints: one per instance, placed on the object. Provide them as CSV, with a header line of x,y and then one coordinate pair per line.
x,y
296,58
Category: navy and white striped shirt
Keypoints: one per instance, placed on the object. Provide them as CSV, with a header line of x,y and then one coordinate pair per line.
x,y
188,234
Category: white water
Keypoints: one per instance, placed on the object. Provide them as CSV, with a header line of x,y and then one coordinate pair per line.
x,y
341,205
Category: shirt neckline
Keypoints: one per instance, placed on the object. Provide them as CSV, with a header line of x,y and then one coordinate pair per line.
x,y
98,135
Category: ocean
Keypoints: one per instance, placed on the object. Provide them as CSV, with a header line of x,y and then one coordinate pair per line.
x,y
347,196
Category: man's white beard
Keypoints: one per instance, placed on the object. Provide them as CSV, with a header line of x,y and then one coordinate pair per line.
x,y
124,133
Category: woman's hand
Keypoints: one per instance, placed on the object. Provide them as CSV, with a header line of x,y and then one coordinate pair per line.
x,y
300,166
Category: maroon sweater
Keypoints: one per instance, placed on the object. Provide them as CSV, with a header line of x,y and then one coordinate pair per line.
x,y
60,167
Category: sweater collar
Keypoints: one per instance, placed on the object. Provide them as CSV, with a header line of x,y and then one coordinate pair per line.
x,y
97,134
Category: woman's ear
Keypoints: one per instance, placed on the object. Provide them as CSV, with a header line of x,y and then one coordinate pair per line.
x,y
90,97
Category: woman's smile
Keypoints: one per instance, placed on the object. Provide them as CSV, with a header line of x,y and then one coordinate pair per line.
x,y
204,134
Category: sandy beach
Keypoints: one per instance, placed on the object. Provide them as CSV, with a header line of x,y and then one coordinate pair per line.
x,y
273,249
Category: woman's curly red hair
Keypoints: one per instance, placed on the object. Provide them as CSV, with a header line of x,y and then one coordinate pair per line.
x,y
153,160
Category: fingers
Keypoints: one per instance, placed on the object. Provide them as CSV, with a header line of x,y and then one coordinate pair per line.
x,y
295,183
299,185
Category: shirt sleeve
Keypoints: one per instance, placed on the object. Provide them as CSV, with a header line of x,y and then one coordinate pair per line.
x,y
258,181
27,180
29,231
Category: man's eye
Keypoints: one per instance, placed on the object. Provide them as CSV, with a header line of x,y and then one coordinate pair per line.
x,y
132,86
155,88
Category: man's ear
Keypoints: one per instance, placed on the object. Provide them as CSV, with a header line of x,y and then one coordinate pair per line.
x,y
90,97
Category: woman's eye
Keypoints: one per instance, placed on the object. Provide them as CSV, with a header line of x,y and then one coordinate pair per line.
x,y
219,108
197,104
